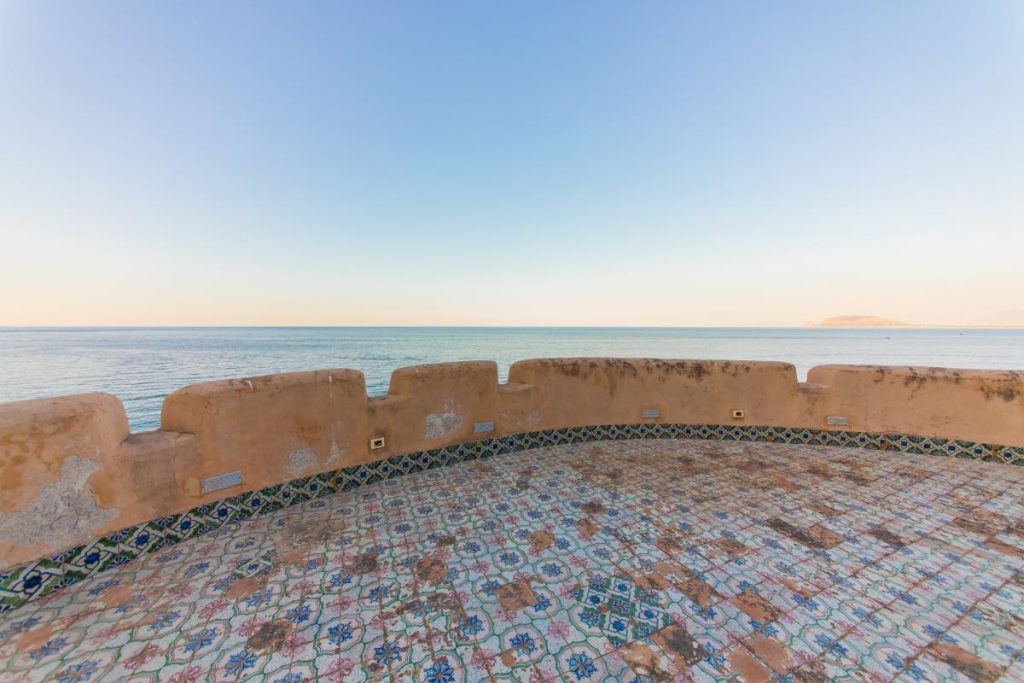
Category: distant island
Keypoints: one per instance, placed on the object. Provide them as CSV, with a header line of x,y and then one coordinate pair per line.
x,y
877,321
857,321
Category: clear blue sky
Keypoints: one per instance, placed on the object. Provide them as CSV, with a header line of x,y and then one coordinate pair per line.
x,y
663,163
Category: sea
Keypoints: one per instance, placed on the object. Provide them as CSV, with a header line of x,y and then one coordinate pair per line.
x,y
142,365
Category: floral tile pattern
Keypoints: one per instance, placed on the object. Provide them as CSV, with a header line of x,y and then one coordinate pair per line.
x,y
20,585
624,560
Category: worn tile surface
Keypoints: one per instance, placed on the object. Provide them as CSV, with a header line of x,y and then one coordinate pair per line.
x,y
656,560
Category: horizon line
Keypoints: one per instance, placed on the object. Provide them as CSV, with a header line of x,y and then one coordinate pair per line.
x,y
905,326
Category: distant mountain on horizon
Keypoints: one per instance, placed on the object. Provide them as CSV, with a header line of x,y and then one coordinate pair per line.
x,y
857,321
997,320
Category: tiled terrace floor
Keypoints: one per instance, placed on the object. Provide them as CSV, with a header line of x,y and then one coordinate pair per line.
x,y
614,561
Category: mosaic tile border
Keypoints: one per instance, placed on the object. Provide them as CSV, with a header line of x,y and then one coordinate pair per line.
x,y
42,577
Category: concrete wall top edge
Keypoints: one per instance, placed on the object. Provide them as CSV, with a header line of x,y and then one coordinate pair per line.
x,y
527,371
621,360
54,404
413,378
951,373
272,380
409,378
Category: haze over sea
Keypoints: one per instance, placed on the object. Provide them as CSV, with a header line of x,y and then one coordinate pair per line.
x,y
142,365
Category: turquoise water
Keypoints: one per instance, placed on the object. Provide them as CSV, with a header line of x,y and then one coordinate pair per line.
x,y
142,365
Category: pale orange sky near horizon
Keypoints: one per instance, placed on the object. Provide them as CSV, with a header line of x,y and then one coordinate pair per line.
x,y
627,165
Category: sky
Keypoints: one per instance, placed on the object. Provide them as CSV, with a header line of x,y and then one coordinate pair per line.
x,y
510,163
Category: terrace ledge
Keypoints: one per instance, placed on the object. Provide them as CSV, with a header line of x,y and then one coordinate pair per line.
x,y
70,470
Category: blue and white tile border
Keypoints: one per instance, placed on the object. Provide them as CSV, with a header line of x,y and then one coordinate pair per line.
x,y
42,577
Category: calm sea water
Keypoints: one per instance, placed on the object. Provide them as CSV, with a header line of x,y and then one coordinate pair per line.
x,y
142,365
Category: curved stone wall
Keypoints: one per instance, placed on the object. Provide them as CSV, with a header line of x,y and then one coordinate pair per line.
x,y
70,471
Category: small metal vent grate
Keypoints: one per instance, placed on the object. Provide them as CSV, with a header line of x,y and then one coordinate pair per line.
x,y
222,481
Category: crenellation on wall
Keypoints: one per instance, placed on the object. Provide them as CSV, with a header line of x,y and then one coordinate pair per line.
x,y
53,454
976,405
36,436
445,401
268,427
576,392
70,469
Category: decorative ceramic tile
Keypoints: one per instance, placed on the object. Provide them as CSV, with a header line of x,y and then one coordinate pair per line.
x,y
622,559
42,577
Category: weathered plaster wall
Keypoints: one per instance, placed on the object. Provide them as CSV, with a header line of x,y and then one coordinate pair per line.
x,y
575,392
70,471
433,406
271,429
975,405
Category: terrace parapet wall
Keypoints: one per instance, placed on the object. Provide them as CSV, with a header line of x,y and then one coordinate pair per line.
x,y
71,471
